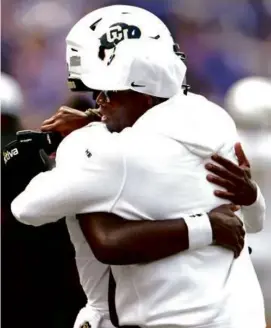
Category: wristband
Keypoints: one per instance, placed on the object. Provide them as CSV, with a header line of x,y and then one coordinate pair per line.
x,y
200,233
254,215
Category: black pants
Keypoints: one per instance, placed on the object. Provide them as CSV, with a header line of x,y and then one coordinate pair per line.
x,y
40,284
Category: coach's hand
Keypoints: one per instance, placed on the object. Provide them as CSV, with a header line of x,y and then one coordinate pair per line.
x,y
65,121
228,230
239,188
20,162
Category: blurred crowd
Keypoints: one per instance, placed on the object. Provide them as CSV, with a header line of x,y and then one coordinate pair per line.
x,y
224,41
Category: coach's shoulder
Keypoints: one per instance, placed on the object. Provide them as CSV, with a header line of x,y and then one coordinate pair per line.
x,y
92,132
93,141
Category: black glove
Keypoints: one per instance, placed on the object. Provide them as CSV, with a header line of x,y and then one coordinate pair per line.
x,y
23,159
48,141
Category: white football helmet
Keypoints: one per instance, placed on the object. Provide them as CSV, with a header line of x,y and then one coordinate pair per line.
x,y
101,30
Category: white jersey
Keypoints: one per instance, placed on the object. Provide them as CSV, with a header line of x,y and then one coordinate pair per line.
x,y
94,277
154,170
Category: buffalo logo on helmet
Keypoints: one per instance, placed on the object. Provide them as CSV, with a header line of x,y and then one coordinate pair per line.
x,y
117,33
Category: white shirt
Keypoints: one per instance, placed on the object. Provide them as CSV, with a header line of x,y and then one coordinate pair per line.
x,y
155,170
77,182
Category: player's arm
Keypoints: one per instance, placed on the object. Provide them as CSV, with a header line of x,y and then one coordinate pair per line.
x,y
239,188
116,241
80,182
67,120
66,190
48,197
236,180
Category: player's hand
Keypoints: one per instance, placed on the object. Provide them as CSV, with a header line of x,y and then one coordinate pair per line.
x,y
65,121
239,188
228,230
